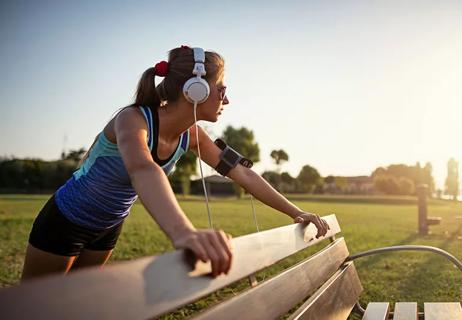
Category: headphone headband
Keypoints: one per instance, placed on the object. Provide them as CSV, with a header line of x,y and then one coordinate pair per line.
x,y
199,59
199,55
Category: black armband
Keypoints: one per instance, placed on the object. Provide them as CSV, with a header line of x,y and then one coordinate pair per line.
x,y
229,158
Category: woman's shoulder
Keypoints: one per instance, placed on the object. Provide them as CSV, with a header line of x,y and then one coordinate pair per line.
x,y
129,113
131,117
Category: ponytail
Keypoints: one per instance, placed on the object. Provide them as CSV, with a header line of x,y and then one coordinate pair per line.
x,y
146,93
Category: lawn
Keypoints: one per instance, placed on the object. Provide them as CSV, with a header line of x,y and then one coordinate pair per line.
x,y
366,223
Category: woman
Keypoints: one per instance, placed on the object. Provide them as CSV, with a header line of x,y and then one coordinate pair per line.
x,y
131,157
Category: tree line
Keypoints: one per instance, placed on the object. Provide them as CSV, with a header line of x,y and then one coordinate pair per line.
x,y
36,175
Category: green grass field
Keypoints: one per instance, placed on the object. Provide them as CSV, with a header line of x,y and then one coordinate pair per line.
x,y
366,223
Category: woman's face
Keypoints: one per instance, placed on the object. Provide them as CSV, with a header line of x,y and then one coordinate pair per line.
x,y
211,109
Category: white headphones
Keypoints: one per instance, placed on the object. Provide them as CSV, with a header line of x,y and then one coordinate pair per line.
x,y
196,90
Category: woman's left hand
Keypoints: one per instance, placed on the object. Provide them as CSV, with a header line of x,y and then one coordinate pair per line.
x,y
319,222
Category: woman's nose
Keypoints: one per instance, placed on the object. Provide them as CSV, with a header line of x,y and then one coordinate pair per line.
x,y
225,100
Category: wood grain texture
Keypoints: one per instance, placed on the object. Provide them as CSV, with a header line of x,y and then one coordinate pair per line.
x,y
442,311
151,286
278,295
405,311
335,299
377,311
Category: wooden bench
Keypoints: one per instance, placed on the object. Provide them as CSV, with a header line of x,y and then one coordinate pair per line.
x,y
323,286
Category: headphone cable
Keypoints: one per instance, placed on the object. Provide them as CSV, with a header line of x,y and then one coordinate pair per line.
x,y
254,213
209,213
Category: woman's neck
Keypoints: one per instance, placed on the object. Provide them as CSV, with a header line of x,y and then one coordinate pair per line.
x,y
174,119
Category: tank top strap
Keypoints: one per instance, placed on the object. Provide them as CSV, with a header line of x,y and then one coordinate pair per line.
x,y
147,113
184,144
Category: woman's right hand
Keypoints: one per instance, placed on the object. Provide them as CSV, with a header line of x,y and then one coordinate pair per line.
x,y
210,244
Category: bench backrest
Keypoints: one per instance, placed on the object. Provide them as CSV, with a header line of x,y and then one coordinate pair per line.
x,y
152,286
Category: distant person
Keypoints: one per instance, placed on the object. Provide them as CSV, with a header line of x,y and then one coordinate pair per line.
x,y
131,157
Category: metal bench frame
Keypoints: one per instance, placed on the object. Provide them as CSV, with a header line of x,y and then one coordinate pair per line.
x,y
358,308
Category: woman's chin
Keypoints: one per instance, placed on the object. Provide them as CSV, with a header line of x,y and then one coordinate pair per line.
x,y
216,116
212,118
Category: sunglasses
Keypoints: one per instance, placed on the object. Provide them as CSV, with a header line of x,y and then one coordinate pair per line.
x,y
222,92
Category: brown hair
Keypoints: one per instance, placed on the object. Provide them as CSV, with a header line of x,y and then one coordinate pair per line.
x,y
181,63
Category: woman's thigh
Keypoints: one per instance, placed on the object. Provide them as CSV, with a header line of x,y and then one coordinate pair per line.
x,y
98,251
90,258
40,263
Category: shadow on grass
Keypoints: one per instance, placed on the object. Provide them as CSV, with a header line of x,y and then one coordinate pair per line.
x,y
372,260
409,240
423,277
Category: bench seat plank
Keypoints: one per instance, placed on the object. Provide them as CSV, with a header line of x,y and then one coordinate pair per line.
x,y
335,299
151,286
377,311
442,311
405,311
277,296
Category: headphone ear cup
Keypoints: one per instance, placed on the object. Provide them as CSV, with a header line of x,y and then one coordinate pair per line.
x,y
196,90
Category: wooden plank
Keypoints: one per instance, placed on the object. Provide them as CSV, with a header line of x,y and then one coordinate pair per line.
x,y
151,286
278,295
377,311
442,311
335,299
405,311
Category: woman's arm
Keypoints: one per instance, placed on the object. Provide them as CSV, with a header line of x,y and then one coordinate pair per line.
x,y
154,190
255,184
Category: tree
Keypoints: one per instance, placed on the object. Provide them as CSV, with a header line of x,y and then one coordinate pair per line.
x,y
243,141
390,184
33,175
329,179
273,178
75,155
287,178
406,186
387,184
288,183
402,179
341,183
279,156
452,180
283,182
329,184
184,169
309,178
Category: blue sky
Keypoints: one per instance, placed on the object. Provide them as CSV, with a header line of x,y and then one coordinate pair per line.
x,y
345,86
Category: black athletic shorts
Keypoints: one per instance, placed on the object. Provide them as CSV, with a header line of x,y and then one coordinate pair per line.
x,y
53,232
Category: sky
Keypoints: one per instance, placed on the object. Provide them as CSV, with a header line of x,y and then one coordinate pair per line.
x,y
343,86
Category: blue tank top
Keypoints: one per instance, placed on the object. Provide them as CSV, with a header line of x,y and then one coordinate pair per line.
x,y
99,194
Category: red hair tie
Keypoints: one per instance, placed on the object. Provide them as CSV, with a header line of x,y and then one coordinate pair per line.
x,y
161,69
185,47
